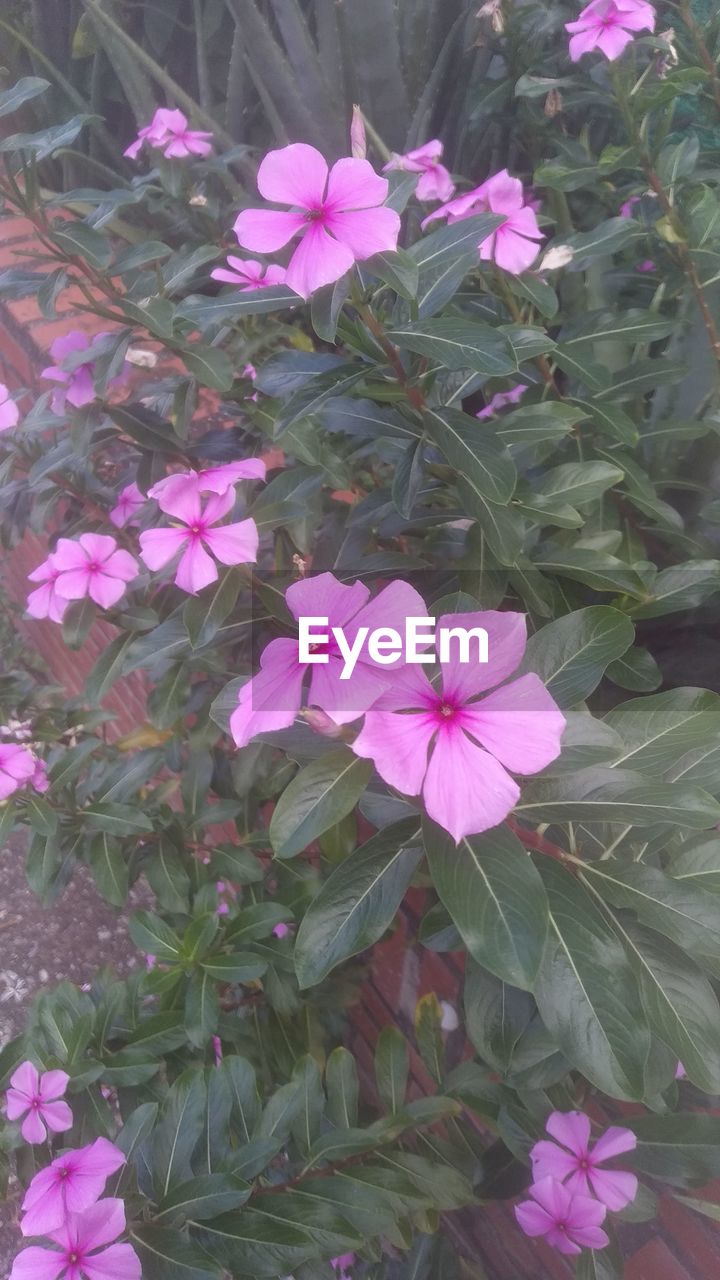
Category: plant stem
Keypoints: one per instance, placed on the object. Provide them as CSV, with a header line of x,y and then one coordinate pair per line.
x,y
413,393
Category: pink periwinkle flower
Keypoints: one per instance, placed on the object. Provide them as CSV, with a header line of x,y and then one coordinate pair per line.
x,y
75,386
436,182
647,266
71,1184
339,215
37,1098
627,207
281,931
499,401
609,26
249,274
572,1159
341,1265
130,499
272,699
513,246
568,1221
17,768
169,131
92,565
680,1072
45,601
455,748
199,535
183,484
9,412
85,1250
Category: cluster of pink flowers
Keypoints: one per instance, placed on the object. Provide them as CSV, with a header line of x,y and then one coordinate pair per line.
x,y
452,745
609,26
571,1191
9,412
169,132
19,768
63,1200
91,565
75,384
514,245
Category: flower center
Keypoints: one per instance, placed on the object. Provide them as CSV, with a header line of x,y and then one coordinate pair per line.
x,y
93,567
447,710
63,1173
314,215
197,529
35,1104
73,1257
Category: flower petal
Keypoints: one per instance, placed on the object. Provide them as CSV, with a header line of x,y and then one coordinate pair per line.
x,y
26,1081
33,1130
121,565
106,590
37,1264
613,1187
572,1129
366,231
466,790
119,1262
613,1142
345,700
506,641
551,1161
323,596
97,546
354,184
533,1220
57,1116
100,1224
318,260
73,585
271,700
53,1084
398,746
196,568
520,724
234,543
265,230
158,546
295,175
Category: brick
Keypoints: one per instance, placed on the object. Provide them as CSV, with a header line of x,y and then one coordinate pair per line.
x,y
697,1239
655,1261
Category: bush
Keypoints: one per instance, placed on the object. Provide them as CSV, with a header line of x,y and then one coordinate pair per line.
x,y
504,421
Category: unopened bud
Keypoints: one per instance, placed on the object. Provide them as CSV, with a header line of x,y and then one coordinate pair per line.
x,y
358,138
553,104
321,722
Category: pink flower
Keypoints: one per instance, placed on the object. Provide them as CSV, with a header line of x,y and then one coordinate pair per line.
x,y
249,274
129,501
230,543
575,1162
9,412
435,183
568,1222
358,135
218,480
169,131
217,1050
626,209
281,931
45,602
40,781
272,699
71,1184
342,1264
92,565
17,767
512,246
680,1072
609,25
81,1255
37,1097
76,384
464,783
339,215
513,396
646,266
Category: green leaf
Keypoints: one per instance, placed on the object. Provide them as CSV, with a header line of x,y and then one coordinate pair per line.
x,y
601,573
607,237
571,654
495,897
357,902
211,366
109,869
578,482
152,936
408,478
108,668
680,1149
657,730
202,312
587,993
25,89
314,393
319,796
202,1008
458,344
392,1066
434,251
145,427
204,614
620,795
205,1197
115,819
240,1075
167,1255
81,241
537,423
484,466
343,1087
308,1121
496,1015
682,586
47,141
77,622
502,528
178,1131
241,966
636,670
398,269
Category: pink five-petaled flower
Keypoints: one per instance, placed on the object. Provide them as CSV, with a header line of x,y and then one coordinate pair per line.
x,y
572,1160
45,601
568,1221
272,699
249,274
340,215
37,1098
73,1182
436,182
129,501
92,565
230,543
464,783
17,768
513,396
81,1255
9,412
609,25
169,131
212,480
513,245
76,384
